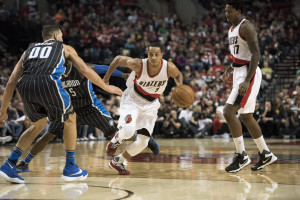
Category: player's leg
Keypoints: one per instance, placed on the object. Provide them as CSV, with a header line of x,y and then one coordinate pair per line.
x,y
144,125
8,169
266,156
71,171
126,124
141,142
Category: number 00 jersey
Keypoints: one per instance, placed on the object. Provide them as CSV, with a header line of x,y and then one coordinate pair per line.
x,y
238,46
45,58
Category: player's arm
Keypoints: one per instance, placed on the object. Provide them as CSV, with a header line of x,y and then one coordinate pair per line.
x,y
248,32
72,55
175,73
102,69
131,63
10,88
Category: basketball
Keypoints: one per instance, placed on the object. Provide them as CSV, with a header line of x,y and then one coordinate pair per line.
x,y
183,95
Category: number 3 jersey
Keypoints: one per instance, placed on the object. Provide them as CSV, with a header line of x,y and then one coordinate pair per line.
x,y
45,58
238,46
151,87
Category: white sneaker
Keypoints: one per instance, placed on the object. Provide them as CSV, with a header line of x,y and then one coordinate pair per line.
x,y
91,137
5,139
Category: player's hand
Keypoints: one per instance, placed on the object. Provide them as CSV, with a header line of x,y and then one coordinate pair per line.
x,y
225,77
243,88
3,118
125,75
114,90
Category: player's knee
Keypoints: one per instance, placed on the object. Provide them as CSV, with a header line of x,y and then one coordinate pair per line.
x,y
246,118
40,124
142,140
228,111
127,131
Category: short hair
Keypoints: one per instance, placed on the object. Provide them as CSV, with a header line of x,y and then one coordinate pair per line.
x,y
156,44
237,4
49,31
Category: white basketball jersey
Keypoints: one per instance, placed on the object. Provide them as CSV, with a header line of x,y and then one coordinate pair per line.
x,y
238,46
147,86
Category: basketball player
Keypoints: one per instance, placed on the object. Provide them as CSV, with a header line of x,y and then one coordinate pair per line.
x,y
139,103
244,49
89,110
40,67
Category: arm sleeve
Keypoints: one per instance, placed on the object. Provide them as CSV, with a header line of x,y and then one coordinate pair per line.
x,y
102,69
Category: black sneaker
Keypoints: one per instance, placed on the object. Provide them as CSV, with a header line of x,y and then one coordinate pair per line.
x,y
22,167
265,158
154,146
240,161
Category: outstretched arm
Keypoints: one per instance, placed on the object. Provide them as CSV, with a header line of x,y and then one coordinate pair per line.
x,y
175,73
72,55
131,63
10,88
102,69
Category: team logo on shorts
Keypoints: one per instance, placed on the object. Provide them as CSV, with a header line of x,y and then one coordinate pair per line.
x,y
128,119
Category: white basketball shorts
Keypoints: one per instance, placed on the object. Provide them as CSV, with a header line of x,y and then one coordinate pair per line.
x,y
248,100
143,112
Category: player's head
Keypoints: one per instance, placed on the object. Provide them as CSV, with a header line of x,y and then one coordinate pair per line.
x,y
52,32
155,53
233,10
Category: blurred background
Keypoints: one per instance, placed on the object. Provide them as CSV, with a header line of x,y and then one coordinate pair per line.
x,y
194,37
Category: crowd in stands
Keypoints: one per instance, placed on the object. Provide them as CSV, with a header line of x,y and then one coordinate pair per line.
x,y
101,30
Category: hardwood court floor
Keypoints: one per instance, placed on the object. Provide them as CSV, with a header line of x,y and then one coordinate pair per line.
x,y
185,169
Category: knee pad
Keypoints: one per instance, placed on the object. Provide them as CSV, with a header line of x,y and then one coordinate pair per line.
x,y
126,131
139,145
143,131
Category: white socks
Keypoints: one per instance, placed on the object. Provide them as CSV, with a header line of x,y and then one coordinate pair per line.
x,y
239,144
261,144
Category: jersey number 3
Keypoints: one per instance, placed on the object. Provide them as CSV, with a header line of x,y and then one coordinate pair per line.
x,y
41,52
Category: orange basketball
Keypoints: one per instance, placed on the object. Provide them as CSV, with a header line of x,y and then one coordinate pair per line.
x,y
183,95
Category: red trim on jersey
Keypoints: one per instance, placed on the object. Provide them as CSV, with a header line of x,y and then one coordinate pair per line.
x,y
168,69
235,26
246,96
239,30
239,61
144,92
162,62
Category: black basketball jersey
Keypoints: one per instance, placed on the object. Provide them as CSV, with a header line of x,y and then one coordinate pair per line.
x,y
79,88
45,58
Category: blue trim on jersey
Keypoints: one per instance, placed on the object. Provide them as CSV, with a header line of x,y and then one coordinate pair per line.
x,y
96,102
102,69
60,69
56,77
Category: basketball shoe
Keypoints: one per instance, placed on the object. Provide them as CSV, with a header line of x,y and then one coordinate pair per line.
x,y
22,167
9,172
154,146
120,167
72,172
265,158
240,161
113,145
